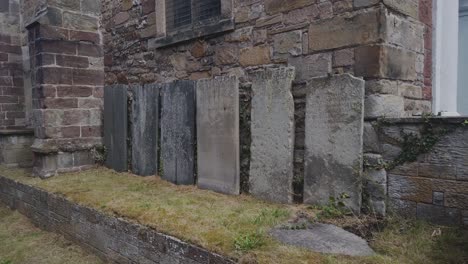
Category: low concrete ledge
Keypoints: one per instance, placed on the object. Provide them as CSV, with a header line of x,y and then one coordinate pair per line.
x,y
113,239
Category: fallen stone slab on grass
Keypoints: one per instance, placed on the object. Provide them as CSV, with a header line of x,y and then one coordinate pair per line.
x,y
324,238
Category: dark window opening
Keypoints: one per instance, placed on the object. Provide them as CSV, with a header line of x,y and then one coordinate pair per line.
x,y
185,13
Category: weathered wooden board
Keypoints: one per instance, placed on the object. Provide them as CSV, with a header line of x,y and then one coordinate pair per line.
x,y
145,126
115,127
178,132
218,134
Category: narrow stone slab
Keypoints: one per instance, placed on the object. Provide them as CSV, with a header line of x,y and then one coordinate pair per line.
x,y
178,132
324,238
145,122
272,128
218,135
334,124
115,126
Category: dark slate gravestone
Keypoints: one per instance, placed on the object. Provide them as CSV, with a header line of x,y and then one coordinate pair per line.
x,y
334,123
178,132
115,126
218,134
272,128
145,123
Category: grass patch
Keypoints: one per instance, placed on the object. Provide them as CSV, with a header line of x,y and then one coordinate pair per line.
x,y
21,242
235,226
247,242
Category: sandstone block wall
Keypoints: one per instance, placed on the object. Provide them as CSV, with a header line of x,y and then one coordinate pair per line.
x,y
12,112
386,42
435,186
66,59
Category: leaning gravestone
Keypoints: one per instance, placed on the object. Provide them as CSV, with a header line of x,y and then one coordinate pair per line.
x,y
272,128
218,134
334,140
145,117
115,127
178,132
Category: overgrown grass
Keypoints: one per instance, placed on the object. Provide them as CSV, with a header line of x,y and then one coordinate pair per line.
x,y
21,242
236,226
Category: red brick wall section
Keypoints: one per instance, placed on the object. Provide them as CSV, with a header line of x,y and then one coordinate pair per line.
x,y
12,113
67,65
68,87
425,16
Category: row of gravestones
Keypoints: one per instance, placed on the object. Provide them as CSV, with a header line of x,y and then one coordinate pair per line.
x,y
203,117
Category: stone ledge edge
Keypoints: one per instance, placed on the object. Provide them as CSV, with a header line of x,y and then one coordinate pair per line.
x,y
110,238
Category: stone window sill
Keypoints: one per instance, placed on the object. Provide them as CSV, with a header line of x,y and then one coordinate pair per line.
x,y
191,33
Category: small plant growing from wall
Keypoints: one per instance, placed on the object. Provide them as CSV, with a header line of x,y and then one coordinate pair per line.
x,y
99,153
335,208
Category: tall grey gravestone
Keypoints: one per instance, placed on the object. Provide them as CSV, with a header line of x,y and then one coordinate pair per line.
x,y
334,125
178,132
115,127
272,128
145,123
218,135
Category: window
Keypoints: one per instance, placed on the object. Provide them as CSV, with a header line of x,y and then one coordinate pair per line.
x,y
181,20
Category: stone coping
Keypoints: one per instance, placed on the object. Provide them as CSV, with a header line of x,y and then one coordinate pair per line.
x,y
16,132
111,238
418,120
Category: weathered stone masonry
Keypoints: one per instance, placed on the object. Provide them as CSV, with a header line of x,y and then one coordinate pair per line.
x,y
67,68
12,113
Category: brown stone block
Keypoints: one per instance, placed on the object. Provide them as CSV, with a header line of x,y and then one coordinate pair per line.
x,y
276,6
75,117
72,61
442,171
3,56
98,92
6,39
70,131
13,115
380,61
421,189
11,107
147,6
226,55
6,48
343,31
44,91
90,50
53,75
457,200
6,81
60,103
56,46
66,4
12,91
407,7
85,36
88,77
45,59
253,56
74,91
88,103
79,22
51,32
91,131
